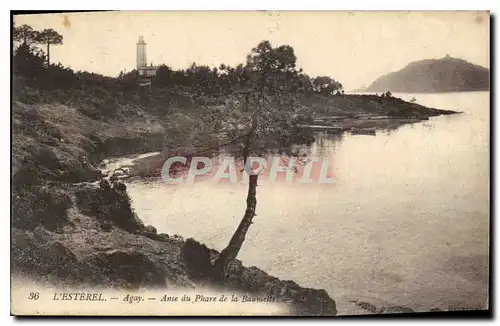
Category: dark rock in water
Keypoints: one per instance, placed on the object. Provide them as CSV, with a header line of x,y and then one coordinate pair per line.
x,y
303,301
397,310
367,306
128,268
197,259
463,306
378,309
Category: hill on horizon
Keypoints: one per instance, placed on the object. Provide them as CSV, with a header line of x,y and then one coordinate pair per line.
x,y
434,75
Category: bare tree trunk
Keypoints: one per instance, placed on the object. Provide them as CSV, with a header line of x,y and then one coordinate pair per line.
x,y
48,54
233,248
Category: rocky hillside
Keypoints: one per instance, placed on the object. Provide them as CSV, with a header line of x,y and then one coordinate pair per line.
x,y
91,237
72,228
434,75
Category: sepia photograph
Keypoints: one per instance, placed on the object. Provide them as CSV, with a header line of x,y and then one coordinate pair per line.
x,y
250,163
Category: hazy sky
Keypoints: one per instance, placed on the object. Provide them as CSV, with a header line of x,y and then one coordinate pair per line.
x,y
353,47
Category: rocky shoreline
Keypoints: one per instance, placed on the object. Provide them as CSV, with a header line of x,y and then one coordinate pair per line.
x,y
71,227
98,241
71,230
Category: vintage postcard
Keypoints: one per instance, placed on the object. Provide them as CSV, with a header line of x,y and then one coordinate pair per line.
x,y
249,163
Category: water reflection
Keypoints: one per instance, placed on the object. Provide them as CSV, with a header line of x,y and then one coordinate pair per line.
x,y
406,204
326,144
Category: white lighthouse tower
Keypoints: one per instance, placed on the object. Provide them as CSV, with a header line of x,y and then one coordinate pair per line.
x,y
142,60
141,53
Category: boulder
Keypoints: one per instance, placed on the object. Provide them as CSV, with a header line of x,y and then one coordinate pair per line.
x,y
109,205
382,309
196,257
397,310
303,301
127,268
40,205
39,255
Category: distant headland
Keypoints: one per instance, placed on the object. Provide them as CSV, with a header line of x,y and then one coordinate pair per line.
x,y
434,76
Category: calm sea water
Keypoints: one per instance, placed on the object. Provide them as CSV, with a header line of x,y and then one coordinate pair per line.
x,y
406,222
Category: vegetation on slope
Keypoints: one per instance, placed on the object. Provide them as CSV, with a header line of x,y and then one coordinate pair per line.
x,y
68,229
71,227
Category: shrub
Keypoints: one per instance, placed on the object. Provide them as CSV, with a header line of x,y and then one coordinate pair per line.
x,y
109,203
39,205
196,256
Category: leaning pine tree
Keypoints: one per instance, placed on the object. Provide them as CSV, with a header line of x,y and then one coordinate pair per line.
x,y
269,111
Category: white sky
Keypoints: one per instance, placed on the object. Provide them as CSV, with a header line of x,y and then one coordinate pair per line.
x,y
352,47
